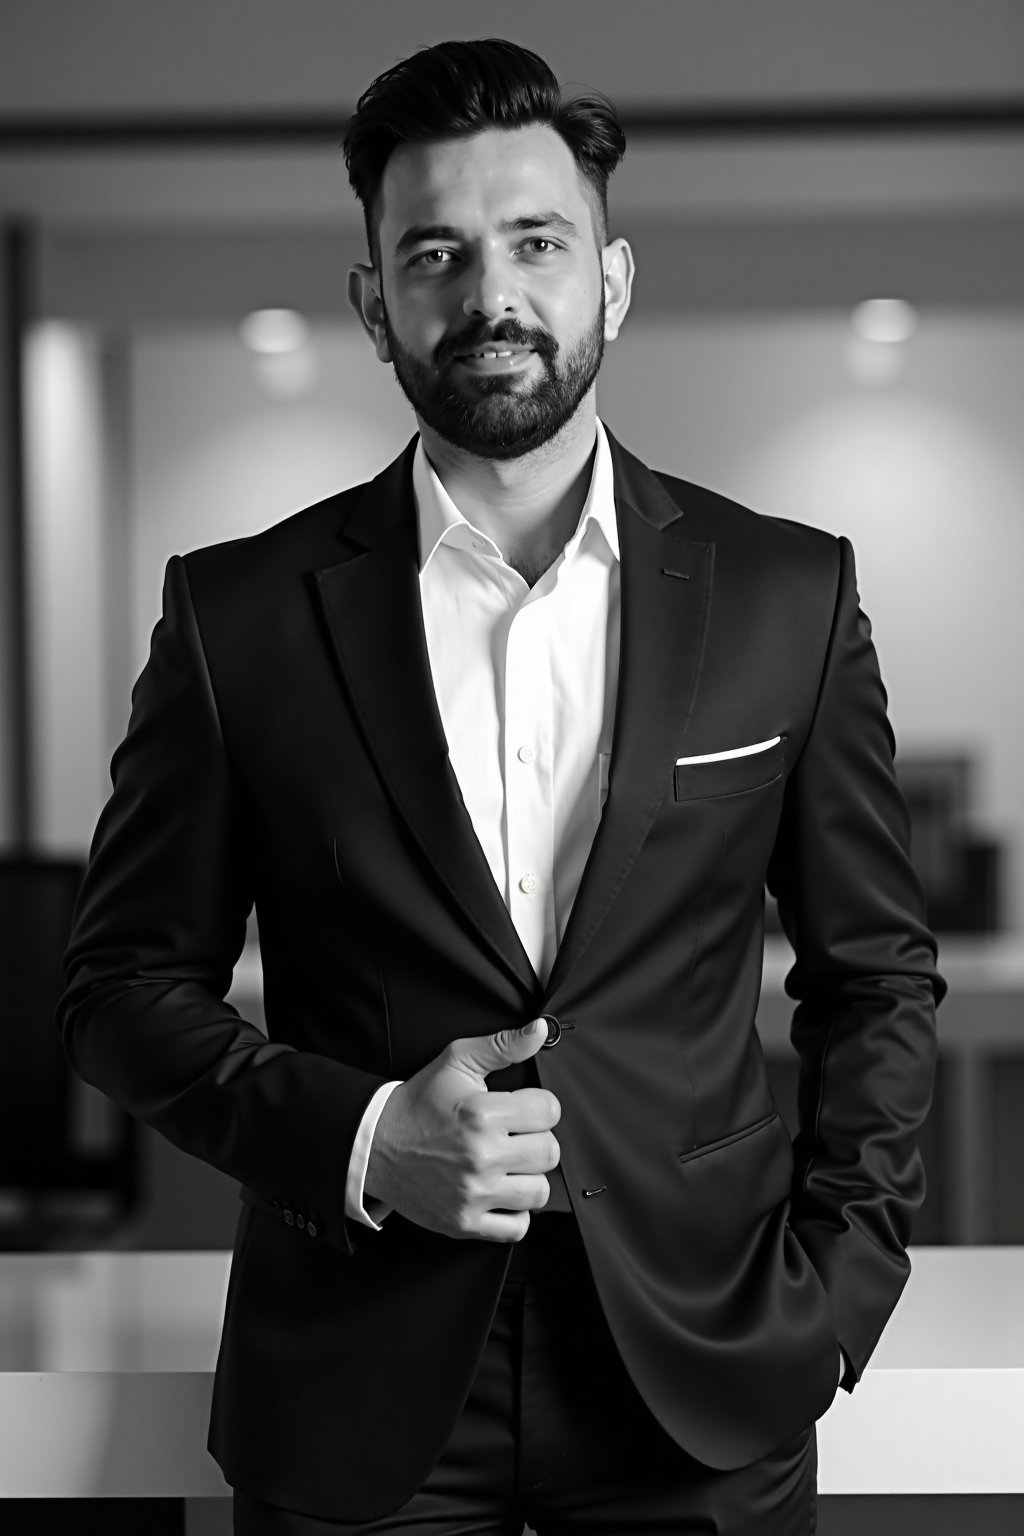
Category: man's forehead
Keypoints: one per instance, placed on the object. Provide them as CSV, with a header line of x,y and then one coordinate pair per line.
x,y
497,167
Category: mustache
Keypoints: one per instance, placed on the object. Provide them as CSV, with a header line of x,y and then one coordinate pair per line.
x,y
506,330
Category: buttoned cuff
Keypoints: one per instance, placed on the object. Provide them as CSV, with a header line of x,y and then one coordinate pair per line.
x,y
355,1208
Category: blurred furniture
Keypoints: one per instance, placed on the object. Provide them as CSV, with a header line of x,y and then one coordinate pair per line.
x,y
961,871
68,1157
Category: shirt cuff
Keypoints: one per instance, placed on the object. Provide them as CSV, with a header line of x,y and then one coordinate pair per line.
x,y
355,1208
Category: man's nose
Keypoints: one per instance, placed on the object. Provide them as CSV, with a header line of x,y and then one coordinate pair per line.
x,y
492,291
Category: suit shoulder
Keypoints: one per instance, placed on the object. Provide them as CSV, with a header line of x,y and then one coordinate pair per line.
x,y
712,515
300,542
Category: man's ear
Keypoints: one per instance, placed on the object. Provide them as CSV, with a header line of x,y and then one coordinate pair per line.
x,y
364,297
617,261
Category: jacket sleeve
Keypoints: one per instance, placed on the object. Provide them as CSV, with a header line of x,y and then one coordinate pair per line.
x,y
159,924
865,985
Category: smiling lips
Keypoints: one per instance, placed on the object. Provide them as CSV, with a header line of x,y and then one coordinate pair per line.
x,y
499,349
497,359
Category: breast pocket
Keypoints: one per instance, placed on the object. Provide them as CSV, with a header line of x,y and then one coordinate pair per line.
x,y
735,773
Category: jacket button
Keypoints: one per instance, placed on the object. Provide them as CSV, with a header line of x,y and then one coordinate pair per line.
x,y
300,1222
554,1030
289,1217
311,1228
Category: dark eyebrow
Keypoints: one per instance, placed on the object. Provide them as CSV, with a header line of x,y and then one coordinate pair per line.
x,y
421,232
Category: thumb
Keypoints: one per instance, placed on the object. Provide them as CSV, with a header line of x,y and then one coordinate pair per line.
x,y
488,1053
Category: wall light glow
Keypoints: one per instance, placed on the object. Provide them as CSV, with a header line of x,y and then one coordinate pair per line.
x,y
876,348
884,320
272,331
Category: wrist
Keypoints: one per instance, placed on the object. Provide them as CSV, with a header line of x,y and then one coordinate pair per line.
x,y
376,1183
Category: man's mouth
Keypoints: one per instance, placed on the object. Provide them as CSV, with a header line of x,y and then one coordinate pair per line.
x,y
498,350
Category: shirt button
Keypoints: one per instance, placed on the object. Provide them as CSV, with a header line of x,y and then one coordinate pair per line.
x,y
528,884
525,754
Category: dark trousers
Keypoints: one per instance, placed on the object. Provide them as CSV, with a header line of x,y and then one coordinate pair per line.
x,y
555,1435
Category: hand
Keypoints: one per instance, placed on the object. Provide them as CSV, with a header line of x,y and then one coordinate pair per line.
x,y
453,1157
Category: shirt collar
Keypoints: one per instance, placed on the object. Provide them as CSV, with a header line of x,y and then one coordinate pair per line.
x,y
439,520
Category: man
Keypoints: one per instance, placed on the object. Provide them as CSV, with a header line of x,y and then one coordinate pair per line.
x,y
519,730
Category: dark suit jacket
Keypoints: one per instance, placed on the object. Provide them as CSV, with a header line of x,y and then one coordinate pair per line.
x,y
285,747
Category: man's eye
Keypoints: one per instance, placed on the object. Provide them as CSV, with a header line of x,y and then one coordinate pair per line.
x,y
427,259
543,240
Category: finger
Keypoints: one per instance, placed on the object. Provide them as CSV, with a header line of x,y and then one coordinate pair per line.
x,y
503,1229
520,1192
531,1152
524,1109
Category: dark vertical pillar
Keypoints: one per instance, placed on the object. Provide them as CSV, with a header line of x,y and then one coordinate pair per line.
x,y
16,778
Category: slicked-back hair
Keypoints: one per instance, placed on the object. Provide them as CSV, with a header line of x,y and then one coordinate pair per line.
x,y
456,89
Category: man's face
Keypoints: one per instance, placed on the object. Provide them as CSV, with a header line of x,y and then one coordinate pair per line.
x,y
492,287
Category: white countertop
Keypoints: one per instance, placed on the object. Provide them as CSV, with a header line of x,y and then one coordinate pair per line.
x,y
109,1357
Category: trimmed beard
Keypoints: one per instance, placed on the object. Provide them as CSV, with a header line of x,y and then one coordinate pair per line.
x,y
500,417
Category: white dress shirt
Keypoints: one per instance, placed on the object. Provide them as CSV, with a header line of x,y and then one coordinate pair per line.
x,y
526,680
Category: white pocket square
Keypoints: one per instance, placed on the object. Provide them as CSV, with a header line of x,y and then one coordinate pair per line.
x,y
717,757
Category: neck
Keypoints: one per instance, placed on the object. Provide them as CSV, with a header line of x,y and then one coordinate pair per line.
x,y
529,506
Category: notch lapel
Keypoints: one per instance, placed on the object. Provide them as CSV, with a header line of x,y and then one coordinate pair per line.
x,y
663,626
374,613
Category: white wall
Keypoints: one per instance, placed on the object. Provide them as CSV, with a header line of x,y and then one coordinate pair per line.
x,y
216,455
67,558
9,746
925,476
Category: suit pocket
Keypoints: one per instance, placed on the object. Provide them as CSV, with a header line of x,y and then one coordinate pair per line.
x,y
729,775
727,1141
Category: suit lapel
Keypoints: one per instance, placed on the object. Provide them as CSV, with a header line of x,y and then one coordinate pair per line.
x,y
663,621
375,617
372,605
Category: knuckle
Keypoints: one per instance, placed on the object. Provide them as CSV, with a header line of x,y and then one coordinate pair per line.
x,y
468,1183
475,1188
464,1221
471,1112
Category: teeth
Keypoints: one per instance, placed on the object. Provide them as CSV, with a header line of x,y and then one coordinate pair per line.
x,y
495,354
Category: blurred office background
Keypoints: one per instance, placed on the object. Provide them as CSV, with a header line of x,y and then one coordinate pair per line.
x,y
826,206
